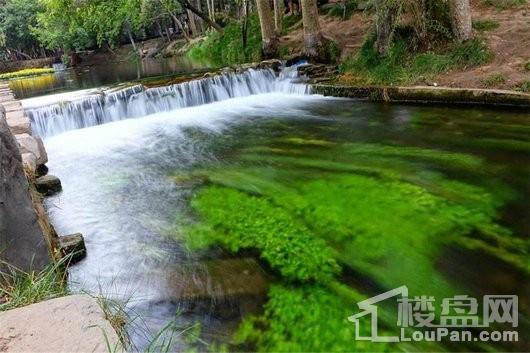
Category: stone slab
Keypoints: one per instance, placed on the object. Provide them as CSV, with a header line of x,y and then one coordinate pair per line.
x,y
69,324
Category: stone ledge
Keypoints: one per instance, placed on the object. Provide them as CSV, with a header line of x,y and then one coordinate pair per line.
x,y
427,94
74,323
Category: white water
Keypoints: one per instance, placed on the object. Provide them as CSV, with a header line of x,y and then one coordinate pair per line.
x,y
59,113
116,186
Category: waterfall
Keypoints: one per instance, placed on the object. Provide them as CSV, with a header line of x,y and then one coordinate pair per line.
x,y
95,108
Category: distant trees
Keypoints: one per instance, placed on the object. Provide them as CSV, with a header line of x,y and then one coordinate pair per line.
x,y
17,41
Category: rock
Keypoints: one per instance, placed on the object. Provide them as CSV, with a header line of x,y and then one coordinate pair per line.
x,y
29,144
41,170
273,64
73,245
19,125
29,161
48,185
22,241
43,156
74,323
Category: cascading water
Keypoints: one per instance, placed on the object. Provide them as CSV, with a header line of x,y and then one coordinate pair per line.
x,y
52,118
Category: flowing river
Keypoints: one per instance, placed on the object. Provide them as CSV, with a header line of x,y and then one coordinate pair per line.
x,y
435,198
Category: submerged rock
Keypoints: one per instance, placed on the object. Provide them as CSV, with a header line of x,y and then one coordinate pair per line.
x,y
48,185
74,246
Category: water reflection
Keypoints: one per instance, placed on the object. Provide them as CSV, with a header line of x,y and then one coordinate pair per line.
x,y
99,75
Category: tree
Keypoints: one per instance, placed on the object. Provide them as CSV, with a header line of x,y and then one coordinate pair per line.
x,y
269,38
316,46
16,19
278,15
187,5
461,19
387,11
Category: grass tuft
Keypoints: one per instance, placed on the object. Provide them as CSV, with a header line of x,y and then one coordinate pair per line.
x,y
485,25
494,80
19,288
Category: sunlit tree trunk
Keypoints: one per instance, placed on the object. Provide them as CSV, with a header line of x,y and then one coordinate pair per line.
x,y
461,19
269,39
314,41
278,15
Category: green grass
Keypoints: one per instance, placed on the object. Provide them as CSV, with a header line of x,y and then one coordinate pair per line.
x,y
19,288
25,73
485,25
494,80
401,66
227,48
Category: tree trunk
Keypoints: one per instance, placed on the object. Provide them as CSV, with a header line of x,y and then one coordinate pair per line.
x,y
199,22
186,4
314,41
180,26
193,25
385,18
160,31
461,19
269,39
278,15
131,38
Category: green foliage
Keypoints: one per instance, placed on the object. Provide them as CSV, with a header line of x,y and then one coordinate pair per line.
x,y
16,19
227,48
402,65
25,73
494,80
19,288
241,221
485,25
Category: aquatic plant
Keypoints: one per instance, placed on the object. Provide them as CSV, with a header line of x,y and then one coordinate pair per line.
x,y
240,221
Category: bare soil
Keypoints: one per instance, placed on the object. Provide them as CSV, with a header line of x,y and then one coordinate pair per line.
x,y
510,42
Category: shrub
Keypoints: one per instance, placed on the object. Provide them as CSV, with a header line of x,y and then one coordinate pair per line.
x,y
227,48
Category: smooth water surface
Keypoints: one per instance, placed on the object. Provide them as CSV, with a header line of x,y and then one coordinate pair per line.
x,y
111,73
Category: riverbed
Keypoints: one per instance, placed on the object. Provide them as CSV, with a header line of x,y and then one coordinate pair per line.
x,y
434,198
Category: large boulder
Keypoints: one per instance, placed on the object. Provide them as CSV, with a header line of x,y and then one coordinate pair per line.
x,y
22,242
74,323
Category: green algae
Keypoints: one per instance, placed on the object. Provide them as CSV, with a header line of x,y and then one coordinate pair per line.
x,y
239,221
388,211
